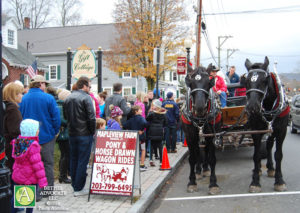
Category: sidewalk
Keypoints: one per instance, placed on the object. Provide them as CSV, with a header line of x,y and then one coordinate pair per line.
x,y
152,181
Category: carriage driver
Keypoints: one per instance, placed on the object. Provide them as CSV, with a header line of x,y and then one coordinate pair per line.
x,y
220,87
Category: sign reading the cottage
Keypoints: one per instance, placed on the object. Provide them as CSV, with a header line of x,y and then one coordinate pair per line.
x,y
84,63
114,163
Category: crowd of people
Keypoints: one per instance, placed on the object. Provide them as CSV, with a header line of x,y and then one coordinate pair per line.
x,y
35,119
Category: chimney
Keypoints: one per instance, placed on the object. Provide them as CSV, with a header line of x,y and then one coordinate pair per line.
x,y
26,23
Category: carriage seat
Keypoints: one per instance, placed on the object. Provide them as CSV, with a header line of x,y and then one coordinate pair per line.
x,y
236,100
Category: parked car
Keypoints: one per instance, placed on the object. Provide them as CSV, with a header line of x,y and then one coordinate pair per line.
x,y
295,114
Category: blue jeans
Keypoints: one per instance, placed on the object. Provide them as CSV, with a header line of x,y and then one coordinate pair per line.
x,y
223,97
180,135
80,151
171,137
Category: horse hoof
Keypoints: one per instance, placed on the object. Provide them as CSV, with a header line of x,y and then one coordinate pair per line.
x,y
280,187
271,173
206,173
199,176
254,189
214,190
192,188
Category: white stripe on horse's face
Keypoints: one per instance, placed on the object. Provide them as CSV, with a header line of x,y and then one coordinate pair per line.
x,y
254,77
198,77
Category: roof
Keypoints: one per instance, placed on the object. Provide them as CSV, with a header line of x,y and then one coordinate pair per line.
x,y
58,39
19,57
5,18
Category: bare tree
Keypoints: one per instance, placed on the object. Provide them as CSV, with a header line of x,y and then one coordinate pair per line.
x,y
37,10
68,12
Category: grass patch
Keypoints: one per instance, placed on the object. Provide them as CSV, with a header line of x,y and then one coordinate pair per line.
x,y
56,160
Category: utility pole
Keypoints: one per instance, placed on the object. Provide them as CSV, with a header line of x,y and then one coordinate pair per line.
x,y
230,53
220,43
199,18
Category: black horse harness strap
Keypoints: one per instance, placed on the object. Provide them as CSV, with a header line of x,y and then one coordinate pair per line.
x,y
258,90
187,114
282,106
200,89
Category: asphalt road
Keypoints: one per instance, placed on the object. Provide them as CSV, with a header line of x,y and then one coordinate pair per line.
x,y
234,176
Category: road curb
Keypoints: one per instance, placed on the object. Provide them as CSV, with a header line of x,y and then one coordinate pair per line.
x,y
149,195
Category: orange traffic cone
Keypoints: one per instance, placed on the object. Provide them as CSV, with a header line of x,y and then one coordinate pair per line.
x,y
165,161
184,144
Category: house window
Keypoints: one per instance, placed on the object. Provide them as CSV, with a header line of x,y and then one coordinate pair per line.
x,y
126,74
108,90
174,76
10,36
126,91
53,72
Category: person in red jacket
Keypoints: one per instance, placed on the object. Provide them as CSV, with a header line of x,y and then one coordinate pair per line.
x,y
220,87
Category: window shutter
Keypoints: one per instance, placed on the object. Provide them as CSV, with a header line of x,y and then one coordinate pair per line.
x,y
22,78
58,72
177,93
47,76
171,79
163,94
133,91
120,74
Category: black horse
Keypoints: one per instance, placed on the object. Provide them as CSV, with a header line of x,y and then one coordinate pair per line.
x,y
266,108
200,114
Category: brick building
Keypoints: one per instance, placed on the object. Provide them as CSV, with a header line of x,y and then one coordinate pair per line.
x,y
15,58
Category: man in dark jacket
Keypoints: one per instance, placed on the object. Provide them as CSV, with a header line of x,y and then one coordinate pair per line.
x,y
234,78
81,119
173,117
117,99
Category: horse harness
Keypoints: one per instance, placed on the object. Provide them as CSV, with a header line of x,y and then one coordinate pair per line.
x,y
212,115
280,107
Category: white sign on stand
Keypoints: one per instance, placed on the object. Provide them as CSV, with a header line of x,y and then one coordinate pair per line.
x,y
115,163
159,60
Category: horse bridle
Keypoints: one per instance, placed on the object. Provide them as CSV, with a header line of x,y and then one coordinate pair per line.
x,y
258,90
272,113
188,113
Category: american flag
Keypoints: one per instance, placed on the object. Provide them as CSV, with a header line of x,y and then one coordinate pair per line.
x,y
32,69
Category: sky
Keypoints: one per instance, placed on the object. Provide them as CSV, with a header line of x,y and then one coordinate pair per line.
x,y
255,35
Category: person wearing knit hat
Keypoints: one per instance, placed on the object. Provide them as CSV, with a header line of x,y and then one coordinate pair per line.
x,y
116,115
173,118
169,95
63,140
29,127
28,168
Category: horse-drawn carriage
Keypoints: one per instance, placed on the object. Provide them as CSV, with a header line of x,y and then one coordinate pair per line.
x,y
244,122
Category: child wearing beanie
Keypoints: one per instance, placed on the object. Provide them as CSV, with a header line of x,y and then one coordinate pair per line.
x,y
116,115
28,168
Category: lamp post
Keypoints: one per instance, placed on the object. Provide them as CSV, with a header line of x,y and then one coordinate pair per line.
x,y
99,53
188,45
69,76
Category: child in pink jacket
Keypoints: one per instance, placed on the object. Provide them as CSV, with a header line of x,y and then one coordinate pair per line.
x,y
28,168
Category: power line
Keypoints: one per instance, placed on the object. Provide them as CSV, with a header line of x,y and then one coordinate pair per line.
x,y
255,54
268,10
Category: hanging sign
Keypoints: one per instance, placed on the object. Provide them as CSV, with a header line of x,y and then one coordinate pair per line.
x,y
84,63
181,65
114,163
